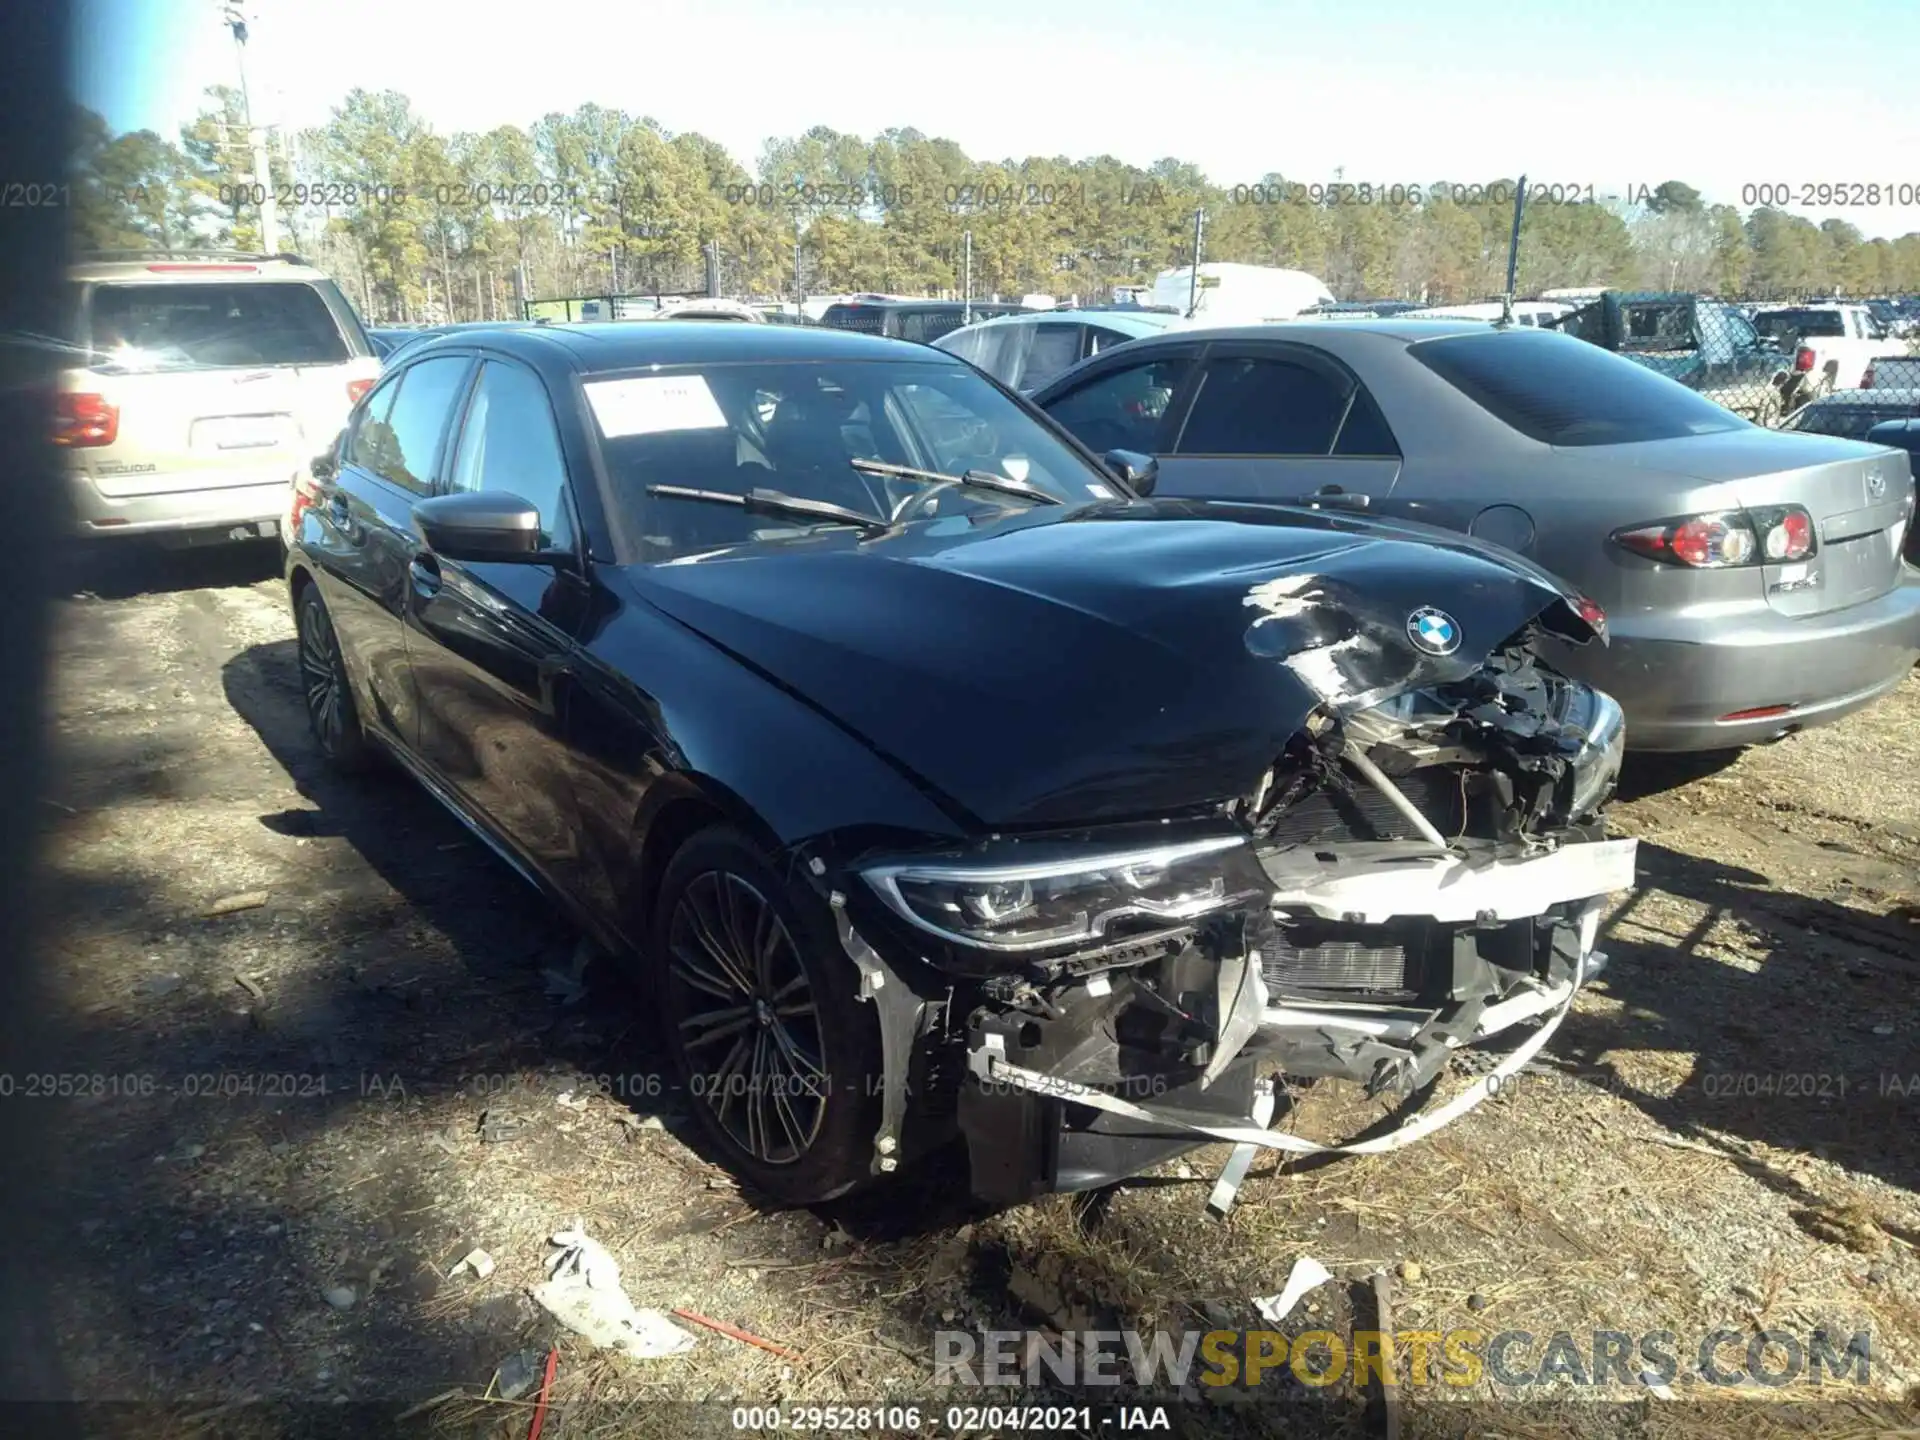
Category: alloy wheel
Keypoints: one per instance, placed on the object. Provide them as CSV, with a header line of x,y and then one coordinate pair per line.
x,y
320,678
745,1018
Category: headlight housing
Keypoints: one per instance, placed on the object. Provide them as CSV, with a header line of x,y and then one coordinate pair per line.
x,y
1042,895
1596,765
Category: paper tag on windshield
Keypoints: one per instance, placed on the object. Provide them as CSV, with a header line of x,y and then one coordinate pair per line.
x,y
652,404
1099,492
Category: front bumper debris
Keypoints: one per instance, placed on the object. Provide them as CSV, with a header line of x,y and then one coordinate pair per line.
x,y
1066,1102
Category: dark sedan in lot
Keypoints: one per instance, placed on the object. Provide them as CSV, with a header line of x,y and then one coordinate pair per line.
x,y
1753,577
932,783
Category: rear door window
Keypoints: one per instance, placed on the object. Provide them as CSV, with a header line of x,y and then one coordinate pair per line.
x,y
1262,406
1561,392
408,444
208,325
369,435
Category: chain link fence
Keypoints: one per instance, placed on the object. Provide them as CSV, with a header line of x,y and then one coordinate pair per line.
x,y
1767,361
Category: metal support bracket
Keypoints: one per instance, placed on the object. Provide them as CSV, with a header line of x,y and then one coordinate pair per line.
x,y
901,1013
1234,1173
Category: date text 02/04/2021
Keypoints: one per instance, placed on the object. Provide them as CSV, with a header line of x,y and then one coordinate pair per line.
x,y
898,1419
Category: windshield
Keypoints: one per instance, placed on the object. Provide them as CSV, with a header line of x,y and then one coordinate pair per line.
x,y
794,428
1566,392
1794,324
205,325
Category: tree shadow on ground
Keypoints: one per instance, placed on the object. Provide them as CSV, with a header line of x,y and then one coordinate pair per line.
x,y
1809,1050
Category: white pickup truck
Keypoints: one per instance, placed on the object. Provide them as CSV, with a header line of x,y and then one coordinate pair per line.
x,y
1832,344
1902,374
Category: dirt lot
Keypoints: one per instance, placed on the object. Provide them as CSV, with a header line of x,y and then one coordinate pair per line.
x,y
311,1107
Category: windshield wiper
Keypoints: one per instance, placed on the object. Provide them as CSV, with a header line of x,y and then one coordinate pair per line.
x,y
774,503
973,479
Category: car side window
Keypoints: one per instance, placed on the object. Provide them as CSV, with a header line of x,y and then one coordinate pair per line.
x,y
1100,340
408,452
370,435
510,445
1263,406
1365,431
964,343
1054,351
1122,409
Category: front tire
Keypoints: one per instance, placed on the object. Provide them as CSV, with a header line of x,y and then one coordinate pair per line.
x,y
778,1056
331,713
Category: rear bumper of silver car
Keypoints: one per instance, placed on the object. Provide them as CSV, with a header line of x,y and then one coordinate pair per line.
x,y
255,508
1677,678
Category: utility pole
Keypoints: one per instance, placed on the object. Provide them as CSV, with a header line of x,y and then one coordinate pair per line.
x,y
256,137
1199,238
966,282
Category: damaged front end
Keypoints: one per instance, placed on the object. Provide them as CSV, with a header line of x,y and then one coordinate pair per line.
x,y
1418,870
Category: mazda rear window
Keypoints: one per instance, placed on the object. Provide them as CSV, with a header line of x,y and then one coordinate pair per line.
x,y
1561,391
207,325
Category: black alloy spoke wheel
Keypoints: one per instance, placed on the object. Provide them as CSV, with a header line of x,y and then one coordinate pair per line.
x,y
759,1012
323,684
747,1018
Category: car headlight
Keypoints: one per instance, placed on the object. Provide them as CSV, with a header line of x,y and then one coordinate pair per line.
x,y
1596,766
1037,895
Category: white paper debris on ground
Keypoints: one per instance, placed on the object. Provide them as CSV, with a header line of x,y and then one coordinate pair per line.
x,y
651,404
1307,1274
478,1261
1655,1386
584,1295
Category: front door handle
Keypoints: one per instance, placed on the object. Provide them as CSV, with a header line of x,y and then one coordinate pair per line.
x,y
424,571
1344,499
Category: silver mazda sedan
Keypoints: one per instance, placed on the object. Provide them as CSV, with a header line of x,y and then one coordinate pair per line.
x,y
1752,579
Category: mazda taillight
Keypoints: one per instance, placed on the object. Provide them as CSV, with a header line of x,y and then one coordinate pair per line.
x,y
357,390
1725,539
1803,359
85,420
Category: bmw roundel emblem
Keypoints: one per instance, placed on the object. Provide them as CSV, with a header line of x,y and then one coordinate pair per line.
x,y
1433,631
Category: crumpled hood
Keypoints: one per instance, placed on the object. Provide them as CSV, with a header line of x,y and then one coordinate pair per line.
x,y
1124,661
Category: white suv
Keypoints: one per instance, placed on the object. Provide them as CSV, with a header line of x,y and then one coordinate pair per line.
x,y
203,385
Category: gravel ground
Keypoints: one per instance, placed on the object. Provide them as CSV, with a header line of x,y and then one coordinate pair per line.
x,y
295,1116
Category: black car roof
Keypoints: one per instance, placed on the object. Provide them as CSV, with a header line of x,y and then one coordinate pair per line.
x,y
622,345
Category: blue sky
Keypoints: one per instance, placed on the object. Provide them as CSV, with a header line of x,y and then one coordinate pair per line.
x,y
1722,95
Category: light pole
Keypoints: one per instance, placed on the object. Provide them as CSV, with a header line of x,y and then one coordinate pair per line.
x,y
236,21
966,284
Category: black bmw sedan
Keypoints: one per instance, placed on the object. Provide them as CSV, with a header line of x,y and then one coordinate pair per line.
x,y
934,779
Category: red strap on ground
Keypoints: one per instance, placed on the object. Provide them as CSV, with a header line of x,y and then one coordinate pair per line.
x,y
540,1406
